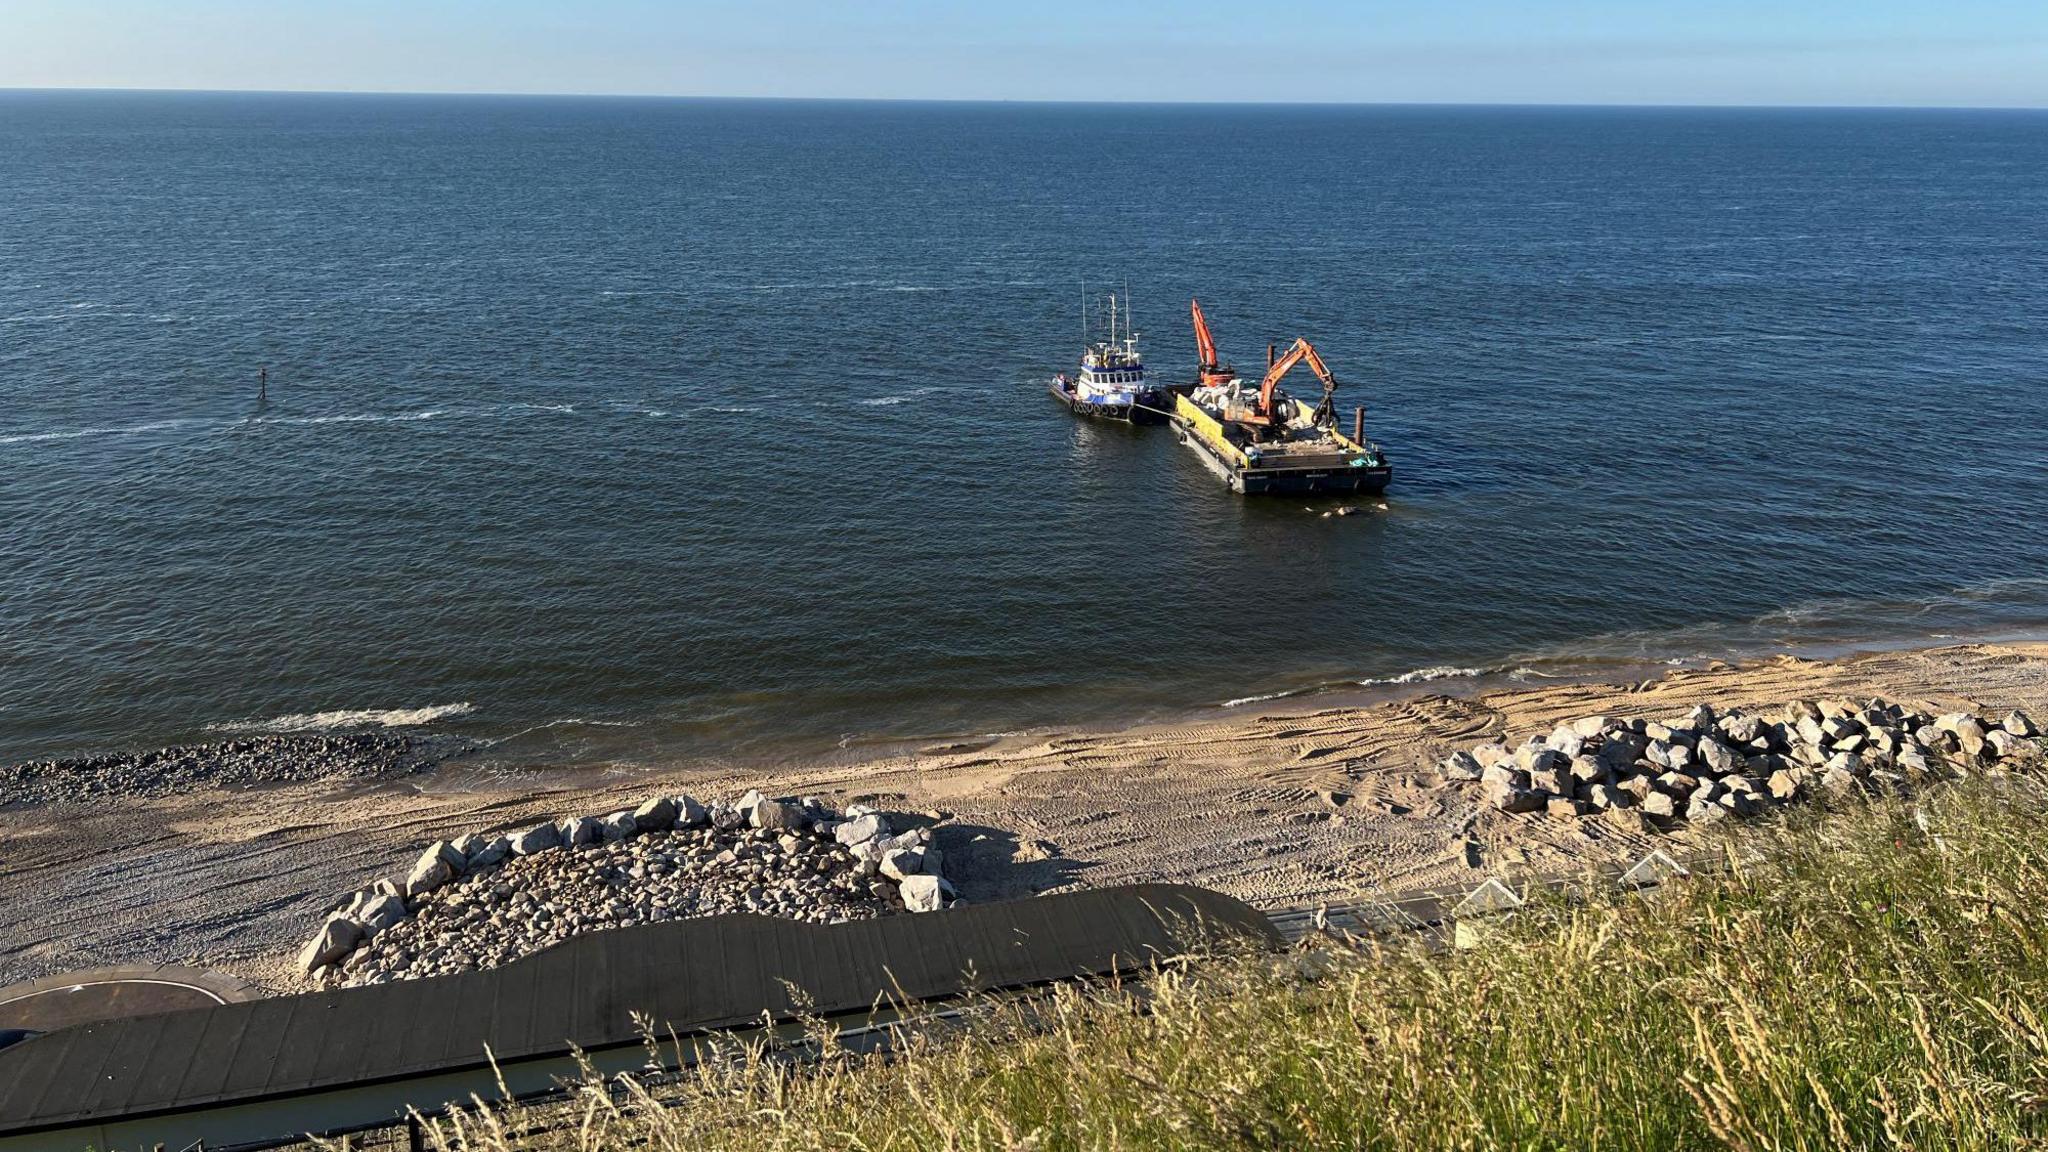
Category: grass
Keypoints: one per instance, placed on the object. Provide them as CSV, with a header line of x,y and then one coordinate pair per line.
x,y
1877,983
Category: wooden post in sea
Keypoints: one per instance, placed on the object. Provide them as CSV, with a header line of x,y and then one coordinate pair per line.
x,y
263,384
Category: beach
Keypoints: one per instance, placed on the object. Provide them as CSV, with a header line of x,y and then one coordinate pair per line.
x,y
1286,804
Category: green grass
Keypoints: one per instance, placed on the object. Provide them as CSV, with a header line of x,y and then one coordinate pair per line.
x,y
1879,982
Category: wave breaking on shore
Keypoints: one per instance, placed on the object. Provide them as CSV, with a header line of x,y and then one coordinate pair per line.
x,y
351,718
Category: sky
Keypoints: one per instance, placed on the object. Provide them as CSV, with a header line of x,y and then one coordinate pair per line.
x,y
1982,53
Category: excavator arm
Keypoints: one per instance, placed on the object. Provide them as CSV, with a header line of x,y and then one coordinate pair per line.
x,y
1300,351
1211,371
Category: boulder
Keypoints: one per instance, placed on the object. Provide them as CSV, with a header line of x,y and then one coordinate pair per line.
x,y
1587,769
923,893
1700,719
1504,775
1784,785
491,853
656,815
1590,726
779,815
861,829
1848,762
1638,786
1605,796
1535,758
1555,780
2001,743
617,826
1853,742
1913,763
901,863
690,813
1677,784
1970,736
1659,805
2019,724
430,872
380,912
1810,732
1561,808
336,938
1718,758
1566,740
1491,753
1702,812
1741,729
582,830
538,838
1461,766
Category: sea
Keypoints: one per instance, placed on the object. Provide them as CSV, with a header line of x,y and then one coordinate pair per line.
x,y
653,432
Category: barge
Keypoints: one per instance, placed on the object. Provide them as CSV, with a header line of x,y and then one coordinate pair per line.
x,y
1111,384
1266,442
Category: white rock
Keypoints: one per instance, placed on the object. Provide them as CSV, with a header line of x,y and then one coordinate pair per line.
x,y
898,863
2019,724
581,830
336,938
690,813
924,893
861,830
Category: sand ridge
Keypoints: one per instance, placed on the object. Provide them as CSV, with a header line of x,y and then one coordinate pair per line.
x,y
1284,805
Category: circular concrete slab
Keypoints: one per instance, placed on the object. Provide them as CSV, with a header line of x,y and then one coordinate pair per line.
x,y
116,993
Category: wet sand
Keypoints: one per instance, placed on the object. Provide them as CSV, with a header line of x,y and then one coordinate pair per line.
x,y
1284,804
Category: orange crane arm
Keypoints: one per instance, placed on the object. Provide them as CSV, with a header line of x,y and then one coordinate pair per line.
x,y
1211,370
1301,350
1205,345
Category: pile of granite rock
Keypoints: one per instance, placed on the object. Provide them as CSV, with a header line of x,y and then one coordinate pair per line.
x,y
1711,765
479,901
244,763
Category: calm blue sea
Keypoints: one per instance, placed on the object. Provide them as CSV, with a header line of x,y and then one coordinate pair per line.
x,y
662,429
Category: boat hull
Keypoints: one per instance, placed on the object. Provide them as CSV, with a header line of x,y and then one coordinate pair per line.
x,y
1317,476
1140,413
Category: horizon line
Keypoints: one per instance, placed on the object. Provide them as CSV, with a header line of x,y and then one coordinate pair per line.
x,y
987,100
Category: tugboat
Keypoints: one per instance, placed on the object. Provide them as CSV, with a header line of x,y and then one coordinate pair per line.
x,y
1111,384
1266,441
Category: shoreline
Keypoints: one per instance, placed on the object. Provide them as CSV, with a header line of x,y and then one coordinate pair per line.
x,y
1285,804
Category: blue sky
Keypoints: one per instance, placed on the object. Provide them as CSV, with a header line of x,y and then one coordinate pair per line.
x,y
1886,52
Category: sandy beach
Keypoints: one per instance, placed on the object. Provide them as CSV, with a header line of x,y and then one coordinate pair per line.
x,y
1284,805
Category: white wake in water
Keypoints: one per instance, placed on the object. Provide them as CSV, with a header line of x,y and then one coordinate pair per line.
x,y
352,718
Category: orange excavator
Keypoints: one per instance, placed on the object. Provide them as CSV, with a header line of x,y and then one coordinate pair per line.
x,y
1302,350
1212,372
